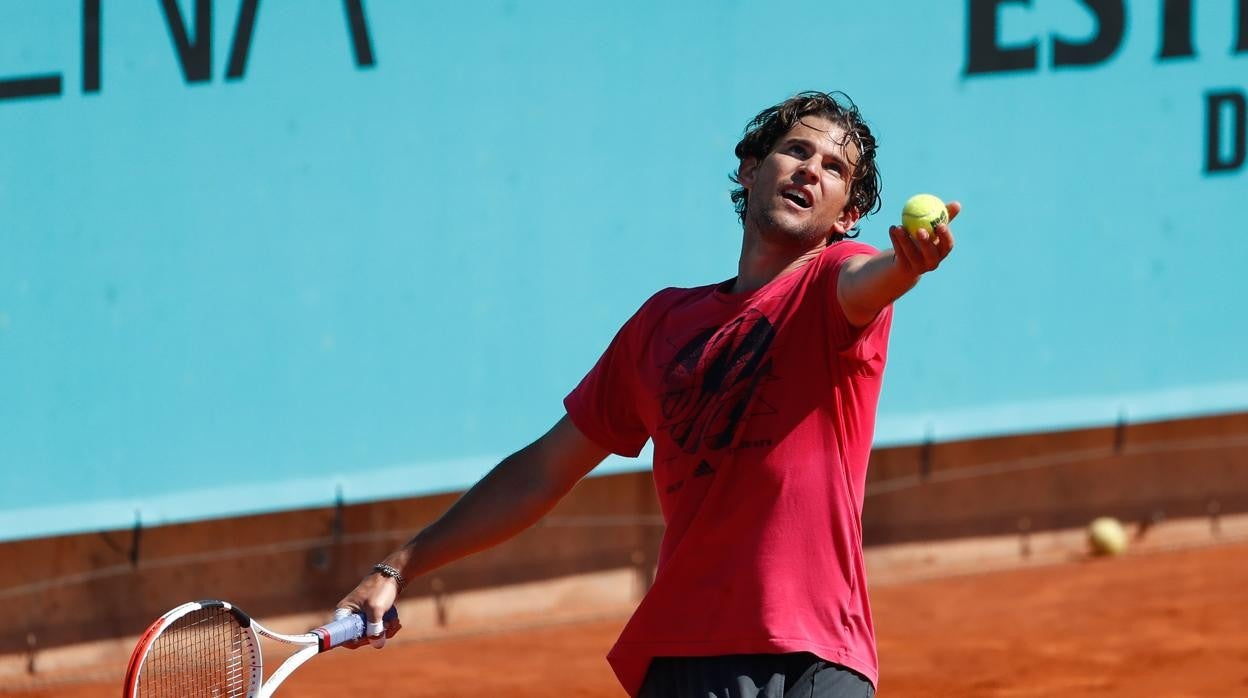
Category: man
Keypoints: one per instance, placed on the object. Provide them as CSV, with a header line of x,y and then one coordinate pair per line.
x,y
759,394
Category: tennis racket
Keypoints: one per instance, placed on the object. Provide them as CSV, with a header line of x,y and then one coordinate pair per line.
x,y
211,648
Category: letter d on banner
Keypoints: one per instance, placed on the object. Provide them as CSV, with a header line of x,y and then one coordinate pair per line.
x,y
1233,105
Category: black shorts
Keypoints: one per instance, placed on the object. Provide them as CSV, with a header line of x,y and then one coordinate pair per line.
x,y
799,675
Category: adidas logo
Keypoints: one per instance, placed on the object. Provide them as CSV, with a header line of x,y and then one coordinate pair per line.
x,y
703,470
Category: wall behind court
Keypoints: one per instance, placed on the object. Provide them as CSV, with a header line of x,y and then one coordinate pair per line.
x,y
256,256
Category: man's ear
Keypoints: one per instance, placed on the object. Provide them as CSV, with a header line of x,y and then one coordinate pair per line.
x,y
847,220
746,170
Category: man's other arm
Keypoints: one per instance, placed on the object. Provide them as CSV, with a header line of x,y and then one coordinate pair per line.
x,y
509,499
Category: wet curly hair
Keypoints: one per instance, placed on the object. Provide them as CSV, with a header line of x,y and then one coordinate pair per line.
x,y
771,124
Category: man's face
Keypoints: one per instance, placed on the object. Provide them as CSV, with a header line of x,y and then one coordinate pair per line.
x,y
799,193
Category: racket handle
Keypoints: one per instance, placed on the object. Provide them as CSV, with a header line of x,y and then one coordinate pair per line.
x,y
346,629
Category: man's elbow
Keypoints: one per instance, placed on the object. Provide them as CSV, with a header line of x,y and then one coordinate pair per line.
x,y
861,315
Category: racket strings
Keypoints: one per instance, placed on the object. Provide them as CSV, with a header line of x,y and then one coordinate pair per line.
x,y
204,653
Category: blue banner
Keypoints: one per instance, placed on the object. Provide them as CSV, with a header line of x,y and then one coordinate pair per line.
x,y
257,255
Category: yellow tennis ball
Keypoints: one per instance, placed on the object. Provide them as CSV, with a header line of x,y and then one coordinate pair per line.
x,y
923,211
1106,536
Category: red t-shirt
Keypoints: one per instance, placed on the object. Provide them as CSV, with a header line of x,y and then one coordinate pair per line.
x,y
762,407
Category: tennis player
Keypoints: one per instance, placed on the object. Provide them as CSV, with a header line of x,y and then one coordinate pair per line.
x,y
760,394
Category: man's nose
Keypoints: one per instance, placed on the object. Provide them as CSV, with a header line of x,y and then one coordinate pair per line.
x,y
809,170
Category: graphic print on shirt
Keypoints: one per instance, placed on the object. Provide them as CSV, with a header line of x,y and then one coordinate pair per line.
x,y
712,384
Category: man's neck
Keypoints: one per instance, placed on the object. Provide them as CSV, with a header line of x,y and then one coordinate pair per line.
x,y
762,261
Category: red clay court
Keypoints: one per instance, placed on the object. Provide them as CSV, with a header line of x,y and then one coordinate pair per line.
x,y
1157,623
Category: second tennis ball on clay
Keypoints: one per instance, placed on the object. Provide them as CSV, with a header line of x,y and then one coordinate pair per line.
x,y
923,211
1106,536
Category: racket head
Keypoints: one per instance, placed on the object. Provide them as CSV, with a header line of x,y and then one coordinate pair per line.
x,y
202,648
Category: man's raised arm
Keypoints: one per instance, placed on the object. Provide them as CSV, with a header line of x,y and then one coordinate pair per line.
x,y
868,283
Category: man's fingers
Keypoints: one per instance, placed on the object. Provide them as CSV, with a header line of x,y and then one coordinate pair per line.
x,y
929,253
375,629
381,625
945,240
375,601
903,249
922,252
954,208
906,250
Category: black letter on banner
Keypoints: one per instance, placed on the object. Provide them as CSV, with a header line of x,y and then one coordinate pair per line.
x,y
34,86
359,34
90,46
30,86
983,54
1215,104
1111,23
242,39
1176,30
1241,36
196,58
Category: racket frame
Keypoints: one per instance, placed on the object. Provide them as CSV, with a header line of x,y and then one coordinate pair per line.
x,y
134,669
313,642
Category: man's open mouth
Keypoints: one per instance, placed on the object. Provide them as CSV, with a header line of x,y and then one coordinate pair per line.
x,y
797,196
